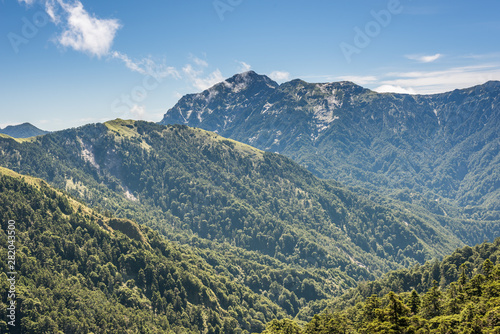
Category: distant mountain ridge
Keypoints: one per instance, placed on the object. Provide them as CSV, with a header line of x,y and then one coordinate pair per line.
x,y
444,145
25,130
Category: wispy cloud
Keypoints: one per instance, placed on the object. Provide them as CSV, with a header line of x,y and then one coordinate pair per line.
x,y
394,89
87,33
360,80
244,67
81,30
194,73
147,66
52,9
431,82
138,112
424,58
279,76
27,2
199,80
199,61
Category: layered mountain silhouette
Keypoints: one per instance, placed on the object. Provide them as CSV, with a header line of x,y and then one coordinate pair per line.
x,y
256,216
445,146
235,236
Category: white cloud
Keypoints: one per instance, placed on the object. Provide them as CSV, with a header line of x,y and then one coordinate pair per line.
x,y
194,73
244,67
198,80
87,33
279,76
425,82
27,2
360,80
424,59
199,62
445,80
394,89
147,66
52,11
429,82
81,30
138,112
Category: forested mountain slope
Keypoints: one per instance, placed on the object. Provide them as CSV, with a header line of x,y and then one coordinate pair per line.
x,y
444,146
466,260
81,272
276,223
458,295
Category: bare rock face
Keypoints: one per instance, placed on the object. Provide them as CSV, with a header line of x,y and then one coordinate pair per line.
x,y
446,144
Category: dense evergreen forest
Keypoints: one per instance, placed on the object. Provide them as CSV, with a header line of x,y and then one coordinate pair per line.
x,y
461,294
81,272
259,210
179,230
443,146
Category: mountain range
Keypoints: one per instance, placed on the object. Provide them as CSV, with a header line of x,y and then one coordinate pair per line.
x,y
271,216
256,201
444,146
177,178
80,271
24,130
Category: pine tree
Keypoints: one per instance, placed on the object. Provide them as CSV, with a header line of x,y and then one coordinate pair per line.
x,y
488,268
414,302
396,310
370,308
431,304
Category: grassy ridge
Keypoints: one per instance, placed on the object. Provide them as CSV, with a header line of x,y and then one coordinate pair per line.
x,y
255,216
79,272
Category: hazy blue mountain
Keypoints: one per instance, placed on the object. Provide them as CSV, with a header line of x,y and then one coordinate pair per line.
x,y
24,130
445,146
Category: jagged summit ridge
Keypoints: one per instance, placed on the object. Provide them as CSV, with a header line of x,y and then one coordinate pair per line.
x,y
246,80
224,102
247,95
443,143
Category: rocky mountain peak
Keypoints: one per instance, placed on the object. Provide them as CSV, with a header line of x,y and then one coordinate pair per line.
x,y
249,80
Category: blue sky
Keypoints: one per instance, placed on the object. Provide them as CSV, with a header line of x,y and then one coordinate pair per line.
x,y
65,63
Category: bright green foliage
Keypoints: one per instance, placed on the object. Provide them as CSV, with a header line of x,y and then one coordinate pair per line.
x,y
414,302
468,307
284,326
431,302
454,271
79,273
256,217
